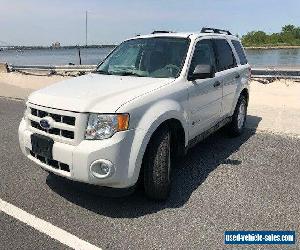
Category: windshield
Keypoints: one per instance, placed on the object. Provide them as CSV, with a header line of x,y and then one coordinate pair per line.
x,y
160,57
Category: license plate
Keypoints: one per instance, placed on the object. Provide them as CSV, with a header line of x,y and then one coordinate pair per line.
x,y
42,145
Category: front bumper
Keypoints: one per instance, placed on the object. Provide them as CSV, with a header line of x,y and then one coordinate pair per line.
x,y
79,157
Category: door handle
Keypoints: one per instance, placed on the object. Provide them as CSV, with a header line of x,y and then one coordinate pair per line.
x,y
217,84
237,76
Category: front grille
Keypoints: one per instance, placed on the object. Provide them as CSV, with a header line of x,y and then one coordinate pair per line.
x,y
52,163
64,125
58,118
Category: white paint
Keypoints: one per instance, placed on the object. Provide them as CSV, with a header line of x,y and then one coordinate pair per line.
x,y
45,227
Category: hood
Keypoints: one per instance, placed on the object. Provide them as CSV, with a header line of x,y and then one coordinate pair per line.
x,y
95,92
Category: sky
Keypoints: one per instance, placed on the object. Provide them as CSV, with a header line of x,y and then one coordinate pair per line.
x,y
41,22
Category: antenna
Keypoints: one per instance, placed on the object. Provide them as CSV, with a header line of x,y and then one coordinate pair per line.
x,y
86,27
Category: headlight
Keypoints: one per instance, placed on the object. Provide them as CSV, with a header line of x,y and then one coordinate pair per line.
x,y
102,126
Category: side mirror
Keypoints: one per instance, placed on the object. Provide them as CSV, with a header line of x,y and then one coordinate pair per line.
x,y
202,71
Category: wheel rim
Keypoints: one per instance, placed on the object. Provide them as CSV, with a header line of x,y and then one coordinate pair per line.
x,y
241,115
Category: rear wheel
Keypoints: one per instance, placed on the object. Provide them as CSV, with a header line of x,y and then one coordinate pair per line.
x,y
157,165
237,124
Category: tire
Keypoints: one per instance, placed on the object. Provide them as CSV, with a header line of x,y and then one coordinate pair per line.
x,y
237,125
157,165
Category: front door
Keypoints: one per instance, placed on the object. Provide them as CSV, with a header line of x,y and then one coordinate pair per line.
x,y
205,95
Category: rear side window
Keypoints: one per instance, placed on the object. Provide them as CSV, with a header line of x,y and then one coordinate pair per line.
x,y
225,57
240,51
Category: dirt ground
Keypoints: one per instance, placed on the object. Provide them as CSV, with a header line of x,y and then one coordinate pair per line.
x,y
276,105
18,85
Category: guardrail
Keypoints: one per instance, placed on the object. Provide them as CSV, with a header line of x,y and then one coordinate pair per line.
x,y
59,68
284,72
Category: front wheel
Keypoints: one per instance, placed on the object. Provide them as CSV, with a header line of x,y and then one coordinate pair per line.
x,y
157,165
237,125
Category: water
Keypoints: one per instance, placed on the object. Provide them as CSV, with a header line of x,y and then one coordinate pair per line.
x,y
62,56
275,57
53,56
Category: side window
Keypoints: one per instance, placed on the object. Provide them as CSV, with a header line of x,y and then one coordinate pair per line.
x,y
203,54
240,51
225,57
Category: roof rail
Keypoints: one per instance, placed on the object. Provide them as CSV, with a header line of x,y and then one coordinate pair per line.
x,y
213,30
161,31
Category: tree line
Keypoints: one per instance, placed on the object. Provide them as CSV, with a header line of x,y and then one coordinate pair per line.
x,y
289,36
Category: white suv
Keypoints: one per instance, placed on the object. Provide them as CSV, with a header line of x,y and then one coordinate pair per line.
x,y
147,102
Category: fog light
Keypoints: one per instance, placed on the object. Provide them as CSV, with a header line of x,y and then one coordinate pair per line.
x,y
102,169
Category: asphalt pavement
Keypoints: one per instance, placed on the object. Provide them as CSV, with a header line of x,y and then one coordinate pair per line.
x,y
247,183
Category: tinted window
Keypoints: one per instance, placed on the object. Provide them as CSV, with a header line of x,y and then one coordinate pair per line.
x,y
203,54
225,57
239,50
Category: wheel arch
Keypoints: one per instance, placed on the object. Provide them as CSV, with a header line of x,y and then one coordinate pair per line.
x,y
177,135
167,113
245,92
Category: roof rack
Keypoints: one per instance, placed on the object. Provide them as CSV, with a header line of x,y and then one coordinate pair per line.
x,y
213,30
161,31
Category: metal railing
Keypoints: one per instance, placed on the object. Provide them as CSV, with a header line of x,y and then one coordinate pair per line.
x,y
64,68
282,72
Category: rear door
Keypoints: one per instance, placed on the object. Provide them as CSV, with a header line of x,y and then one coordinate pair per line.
x,y
227,71
205,95
244,69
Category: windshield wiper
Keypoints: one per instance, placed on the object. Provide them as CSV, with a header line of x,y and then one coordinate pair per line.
x,y
103,72
125,73
129,73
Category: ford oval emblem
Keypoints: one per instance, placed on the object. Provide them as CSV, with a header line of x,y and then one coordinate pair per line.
x,y
46,123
